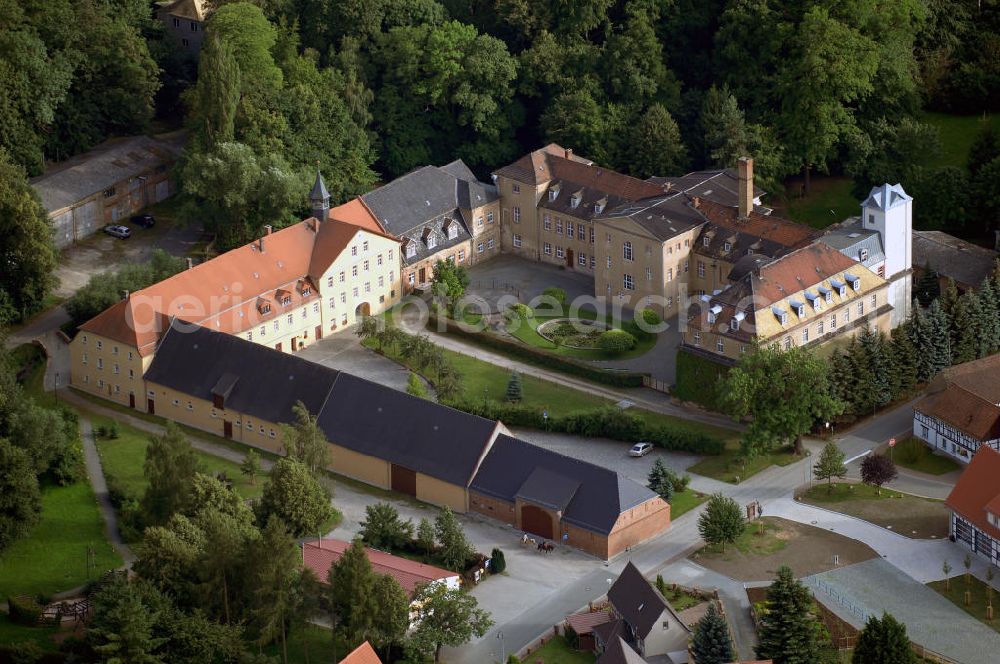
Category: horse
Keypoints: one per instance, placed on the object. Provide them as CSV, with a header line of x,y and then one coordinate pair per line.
x,y
528,541
546,547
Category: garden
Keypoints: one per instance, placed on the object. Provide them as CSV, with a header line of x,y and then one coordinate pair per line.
x,y
911,516
914,454
978,600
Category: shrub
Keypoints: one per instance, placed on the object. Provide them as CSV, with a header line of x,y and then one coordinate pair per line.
x,y
557,294
518,312
24,611
615,342
650,317
499,563
113,430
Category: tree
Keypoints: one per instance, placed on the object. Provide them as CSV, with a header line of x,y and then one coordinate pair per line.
x,y
273,571
883,641
217,95
785,392
711,643
928,287
383,529
903,362
121,627
984,149
250,466
304,440
446,617
20,498
425,536
295,495
876,470
28,255
658,480
251,38
722,521
415,386
170,468
392,612
351,594
656,143
946,568
498,563
514,392
789,633
454,549
450,281
830,465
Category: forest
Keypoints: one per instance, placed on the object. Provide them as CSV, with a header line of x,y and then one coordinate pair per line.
x,y
371,89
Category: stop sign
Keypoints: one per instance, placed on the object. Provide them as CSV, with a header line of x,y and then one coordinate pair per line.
x,y
892,442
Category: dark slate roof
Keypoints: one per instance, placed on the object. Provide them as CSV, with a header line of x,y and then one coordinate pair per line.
x,y
601,497
610,631
968,264
886,197
849,238
619,652
471,193
549,489
419,237
720,185
319,191
636,600
405,430
261,381
664,216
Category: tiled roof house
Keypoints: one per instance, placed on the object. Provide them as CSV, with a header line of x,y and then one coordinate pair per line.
x,y
975,505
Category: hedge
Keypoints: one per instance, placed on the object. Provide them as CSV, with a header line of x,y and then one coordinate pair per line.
x,y
24,611
615,342
698,378
609,422
542,358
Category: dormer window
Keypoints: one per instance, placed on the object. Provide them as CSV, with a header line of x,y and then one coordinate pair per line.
x,y
431,241
863,254
306,289
854,281
574,202
264,307
599,207
727,247
713,313
734,325
780,314
706,241
553,193
411,249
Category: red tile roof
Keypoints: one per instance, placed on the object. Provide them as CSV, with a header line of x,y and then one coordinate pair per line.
x,y
319,555
584,623
966,396
977,490
775,229
363,654
357,213
801,269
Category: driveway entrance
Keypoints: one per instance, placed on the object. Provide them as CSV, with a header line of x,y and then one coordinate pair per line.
x,y
537,521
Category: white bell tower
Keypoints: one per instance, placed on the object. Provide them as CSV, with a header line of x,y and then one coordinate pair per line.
x,y
889,211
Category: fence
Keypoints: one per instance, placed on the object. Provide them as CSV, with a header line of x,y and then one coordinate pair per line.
x,y
841,599
654,384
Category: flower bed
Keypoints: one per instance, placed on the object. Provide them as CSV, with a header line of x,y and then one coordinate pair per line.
x,y
572,332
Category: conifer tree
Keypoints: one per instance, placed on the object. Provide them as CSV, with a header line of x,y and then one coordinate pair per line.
x,y
939,339
883,641
789,633
965,319
842,380
989,297
903,360
658,480
928,288
711,644
514,392
874,356
350,594
949,297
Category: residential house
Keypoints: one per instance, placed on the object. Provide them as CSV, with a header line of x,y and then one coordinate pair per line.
x,y
618,651
285,290
643,619
952,258
961,411
975,506
106,185
184,21
319,555
437,213
363,654
228,386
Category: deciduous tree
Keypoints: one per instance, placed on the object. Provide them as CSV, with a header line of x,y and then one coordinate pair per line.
x,y
293,494
20,498
876,470
383,529
830,465
446,617
170,468
453,547
722,521
304,440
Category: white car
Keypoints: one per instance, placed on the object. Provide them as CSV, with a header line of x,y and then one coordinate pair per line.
x,y
118,231
640,449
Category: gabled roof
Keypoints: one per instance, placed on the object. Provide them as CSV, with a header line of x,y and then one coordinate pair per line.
x,y
664,216
266,383
514,467
967,396
533,167
619,652
782,233
801,269
415,433
886,197
195,10
139,327
101,168
968,264
332,239
363,654
637,601
719,185
585,623
357,213
319,555
977,488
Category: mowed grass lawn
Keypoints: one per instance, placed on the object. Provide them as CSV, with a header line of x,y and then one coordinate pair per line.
x,y
685,501
526,331
977,600
123,459
829,201
53,557
907,515
731,467
557,651
916,455
957,134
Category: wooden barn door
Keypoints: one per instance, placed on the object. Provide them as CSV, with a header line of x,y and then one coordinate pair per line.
x,y
404,480
537,521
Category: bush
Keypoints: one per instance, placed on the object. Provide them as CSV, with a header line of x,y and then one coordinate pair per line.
x,y
698,378
113,431
615,342
518,312
650,317
24,611
557,294
499,563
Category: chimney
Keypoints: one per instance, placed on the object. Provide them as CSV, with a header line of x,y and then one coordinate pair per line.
x,y
745,168
190,263
696,202
126,295
569,153
268,229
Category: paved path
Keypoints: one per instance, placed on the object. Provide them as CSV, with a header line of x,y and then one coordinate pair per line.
x,y
874,586
95,473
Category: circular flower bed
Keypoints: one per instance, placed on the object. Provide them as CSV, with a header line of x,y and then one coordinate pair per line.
x,y
573,332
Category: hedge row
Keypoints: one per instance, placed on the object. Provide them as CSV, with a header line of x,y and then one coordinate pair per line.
x,y
609,422
698,378
542,358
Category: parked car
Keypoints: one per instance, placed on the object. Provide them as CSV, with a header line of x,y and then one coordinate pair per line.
x,y
118,231
640,449
144,220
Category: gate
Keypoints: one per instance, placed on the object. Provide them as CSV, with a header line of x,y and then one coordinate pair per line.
x,y
537,521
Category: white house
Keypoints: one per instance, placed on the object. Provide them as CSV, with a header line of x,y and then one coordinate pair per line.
x,y
961,411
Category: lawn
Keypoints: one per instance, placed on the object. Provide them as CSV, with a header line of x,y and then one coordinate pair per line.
x,y
310,643
977,600
54,556
557,651
685,501
123,459
900,512
957,134
681,599
916,455
526,331
731,467
753,543
484,380
11,634
829,201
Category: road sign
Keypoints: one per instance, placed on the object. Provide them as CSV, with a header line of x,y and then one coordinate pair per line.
x,y
892,442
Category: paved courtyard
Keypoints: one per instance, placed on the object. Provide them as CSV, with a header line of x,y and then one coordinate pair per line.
x,y
343,351
525,279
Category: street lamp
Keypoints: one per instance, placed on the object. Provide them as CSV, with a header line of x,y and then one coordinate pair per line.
x,y
500,638
545,418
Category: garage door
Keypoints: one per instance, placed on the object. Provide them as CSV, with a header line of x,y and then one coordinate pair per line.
x,y
162,190
537,521
85,219
62,226
404,480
